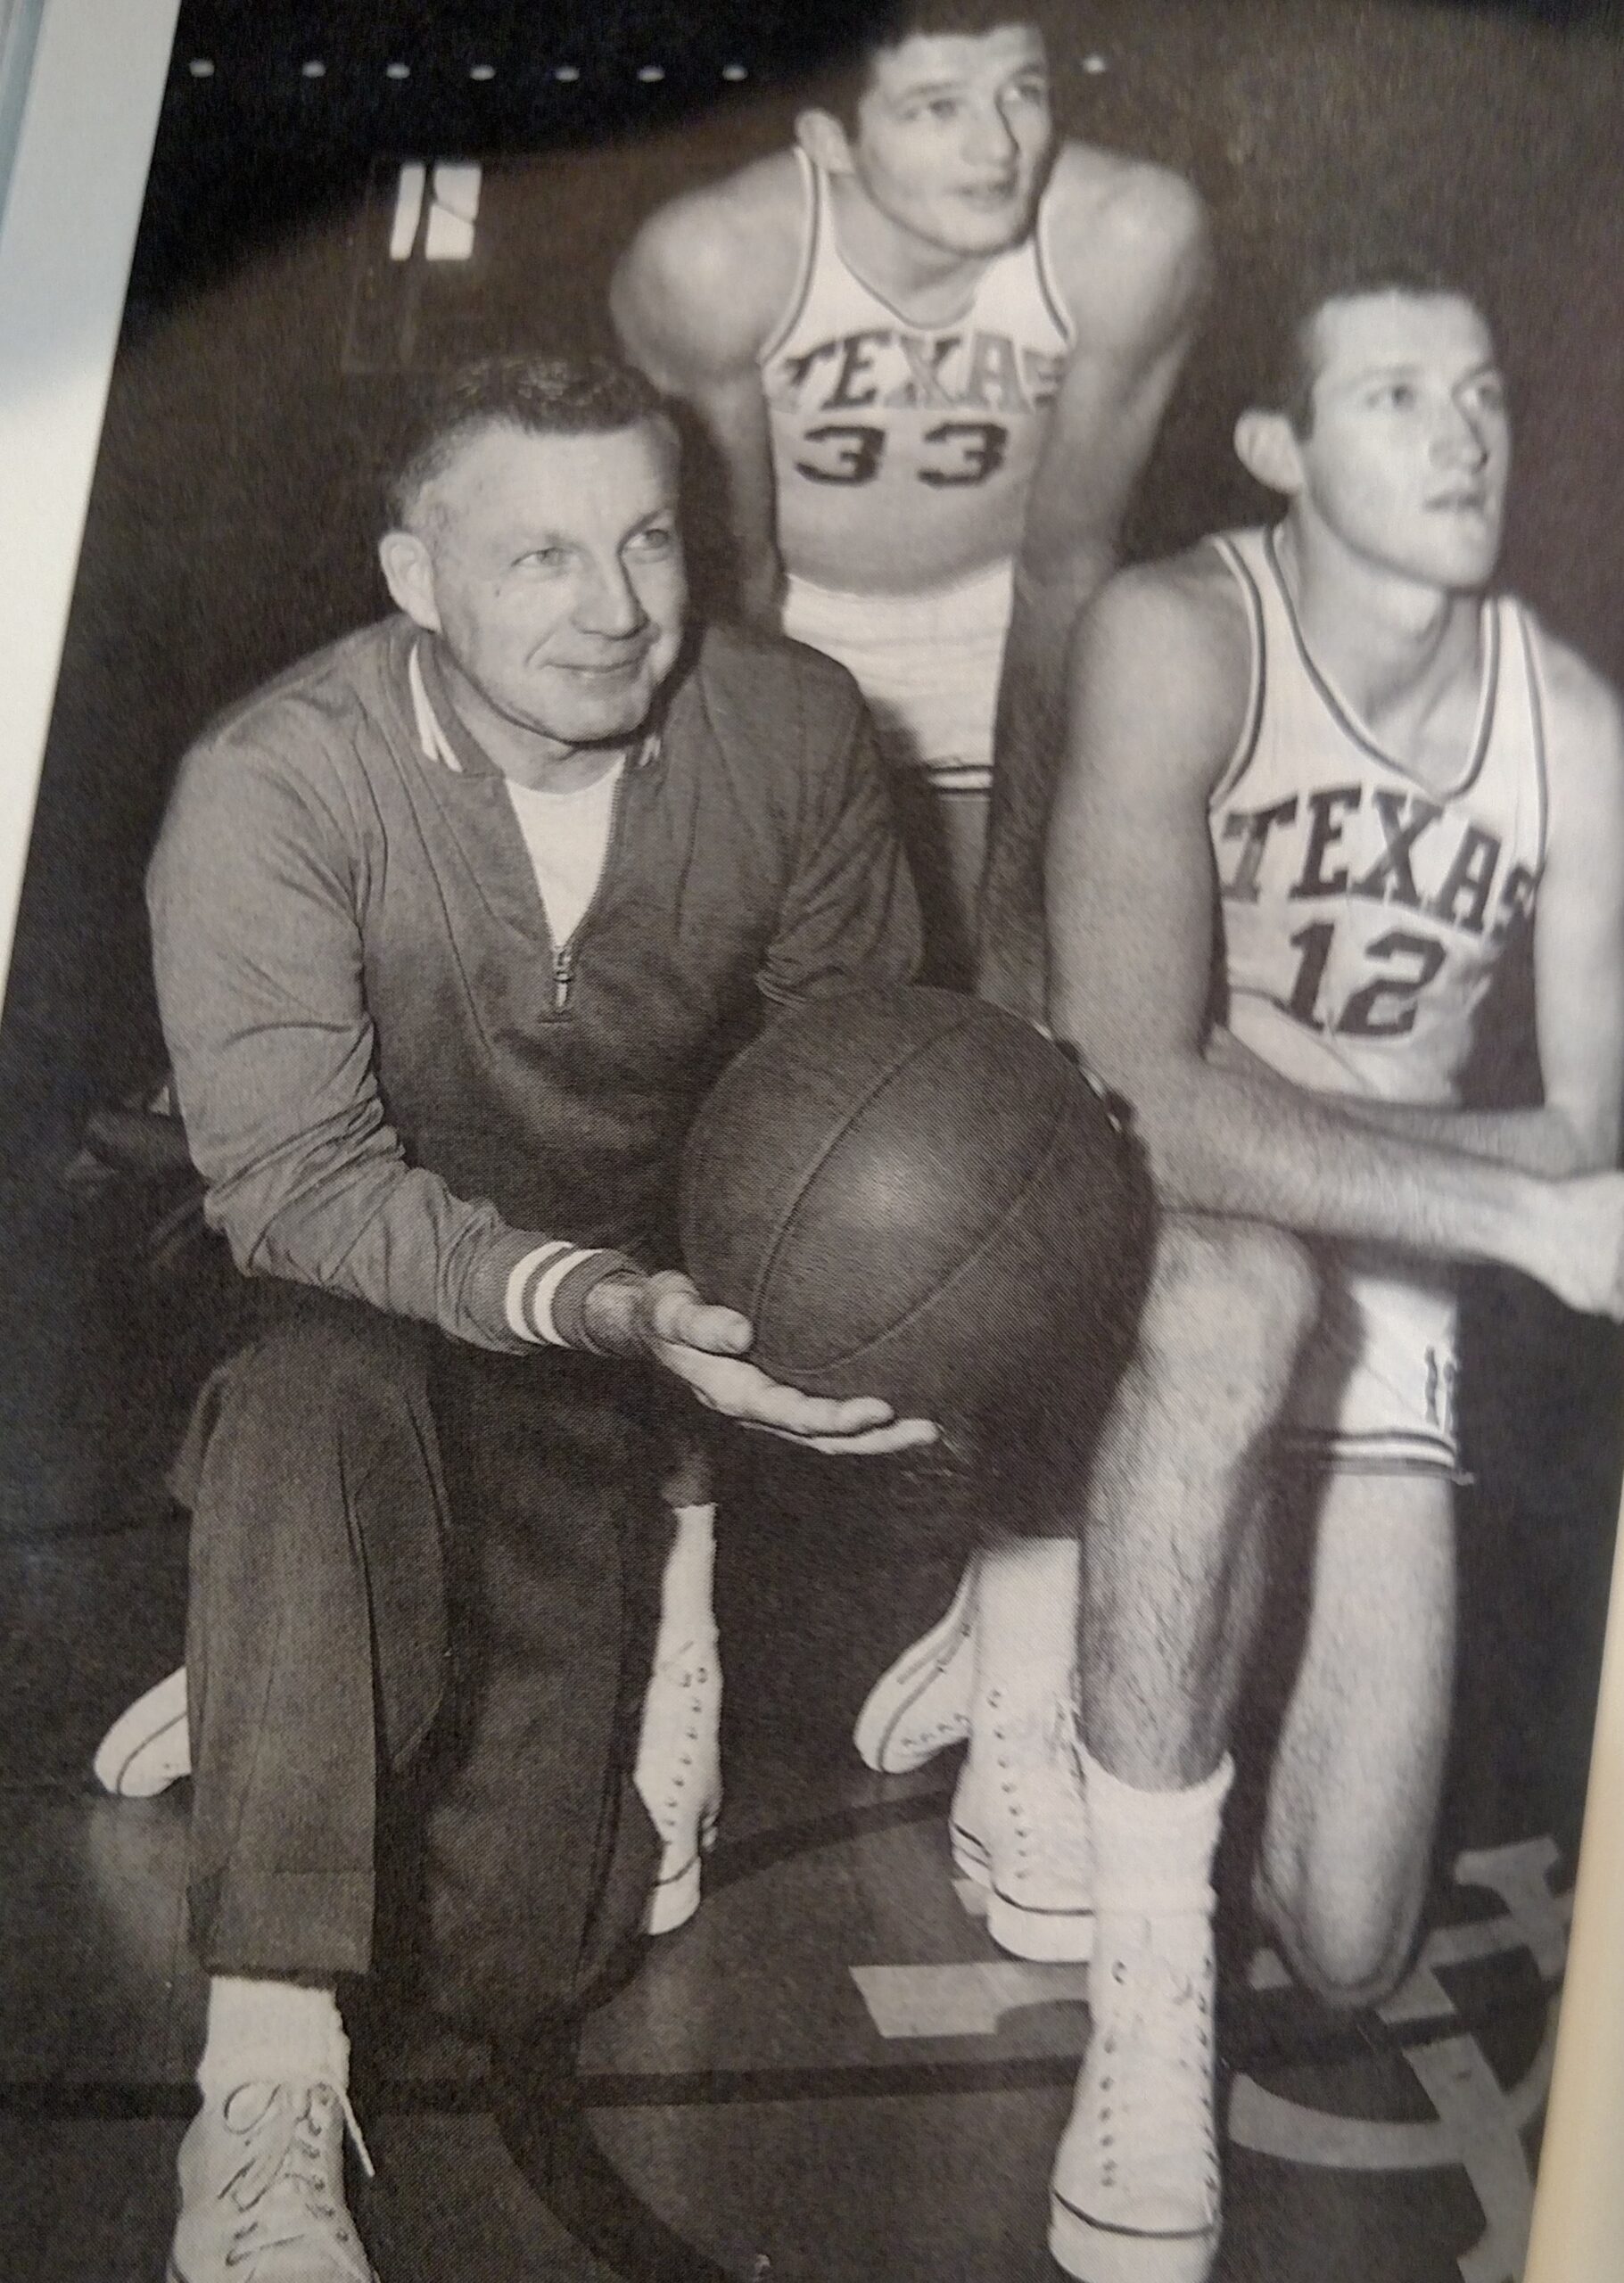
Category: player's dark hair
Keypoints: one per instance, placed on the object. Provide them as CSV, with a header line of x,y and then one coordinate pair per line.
x,y
886,24
1323,278
587,395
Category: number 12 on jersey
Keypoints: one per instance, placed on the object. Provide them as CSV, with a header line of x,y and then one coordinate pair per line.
x,y
1384,1007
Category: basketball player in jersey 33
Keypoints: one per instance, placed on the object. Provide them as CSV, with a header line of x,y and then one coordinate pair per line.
x,y
1325,747
932,344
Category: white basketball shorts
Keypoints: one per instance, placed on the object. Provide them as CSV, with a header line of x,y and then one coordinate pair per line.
x,y
1375,1391
927,664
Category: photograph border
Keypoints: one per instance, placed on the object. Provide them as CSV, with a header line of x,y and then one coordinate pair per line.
x,y
67,233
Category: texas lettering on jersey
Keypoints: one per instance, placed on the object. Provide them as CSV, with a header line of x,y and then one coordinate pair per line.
x,y
890,370
1373,845
916,371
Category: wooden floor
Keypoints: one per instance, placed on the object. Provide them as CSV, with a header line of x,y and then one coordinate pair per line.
x,y
832,2073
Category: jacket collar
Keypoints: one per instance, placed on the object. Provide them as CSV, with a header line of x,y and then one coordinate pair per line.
x,y
441,736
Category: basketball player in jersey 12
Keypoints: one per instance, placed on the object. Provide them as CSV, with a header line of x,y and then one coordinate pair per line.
x,y
1327,748
932,344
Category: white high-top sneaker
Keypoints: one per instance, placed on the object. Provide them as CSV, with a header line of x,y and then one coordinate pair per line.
x,y
147,1747
679,1773
262,2190
1135,2194
1018,1827
921,1704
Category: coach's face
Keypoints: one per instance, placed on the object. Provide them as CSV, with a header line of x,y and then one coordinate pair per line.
x,y
552,568
953,134
1408,450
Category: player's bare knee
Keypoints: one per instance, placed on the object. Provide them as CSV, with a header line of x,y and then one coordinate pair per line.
x,y
1279,1290
1349,1978
1230,1304
1351,1951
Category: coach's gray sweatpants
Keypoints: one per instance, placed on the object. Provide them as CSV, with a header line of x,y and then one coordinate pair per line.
x,y
394,1534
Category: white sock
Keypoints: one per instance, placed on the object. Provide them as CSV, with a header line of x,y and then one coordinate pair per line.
x,y
1026,1626
1153,1850
687,1610
264,2032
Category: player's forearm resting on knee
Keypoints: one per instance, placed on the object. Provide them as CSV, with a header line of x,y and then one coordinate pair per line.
x,y
1156,716
1555,1139
1253,1145
1550,1140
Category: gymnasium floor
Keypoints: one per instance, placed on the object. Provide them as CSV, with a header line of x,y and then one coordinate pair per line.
x,y
831,2073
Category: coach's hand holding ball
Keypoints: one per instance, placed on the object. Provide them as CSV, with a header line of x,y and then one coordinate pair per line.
x,y
705,1346
919,1201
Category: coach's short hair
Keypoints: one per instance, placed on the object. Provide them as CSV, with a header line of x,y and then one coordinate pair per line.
x,y
1345,275
588,395
886,24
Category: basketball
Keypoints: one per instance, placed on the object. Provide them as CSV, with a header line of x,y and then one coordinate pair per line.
x,y
914,1195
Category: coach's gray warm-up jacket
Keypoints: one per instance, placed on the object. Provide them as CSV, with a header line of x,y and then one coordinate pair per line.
x,y
370,1025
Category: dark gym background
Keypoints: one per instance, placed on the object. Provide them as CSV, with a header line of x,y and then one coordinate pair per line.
x,y
266,350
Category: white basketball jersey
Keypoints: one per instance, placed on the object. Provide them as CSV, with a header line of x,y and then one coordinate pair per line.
x,y
1363,912
903,453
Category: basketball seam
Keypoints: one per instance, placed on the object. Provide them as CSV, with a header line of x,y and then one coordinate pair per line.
x,y
854,1354
1050,1145
781,1226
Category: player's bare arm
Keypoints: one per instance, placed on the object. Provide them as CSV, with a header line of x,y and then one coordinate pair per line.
x,y
1129,252
695,295
1158,692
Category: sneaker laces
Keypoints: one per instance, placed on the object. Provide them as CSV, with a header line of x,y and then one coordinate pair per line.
x,y
282,2149
1039,1793
687,1669
671,1760
353,2126
1153,2020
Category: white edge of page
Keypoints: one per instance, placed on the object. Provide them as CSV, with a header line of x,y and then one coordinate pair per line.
x,y
67,233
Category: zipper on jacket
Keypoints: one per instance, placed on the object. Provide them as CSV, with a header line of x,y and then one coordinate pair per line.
x,y
564,954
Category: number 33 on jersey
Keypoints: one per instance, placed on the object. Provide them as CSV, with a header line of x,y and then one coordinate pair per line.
x,y
897,445
1363,911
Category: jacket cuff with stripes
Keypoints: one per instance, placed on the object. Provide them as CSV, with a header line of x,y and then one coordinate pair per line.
x,y
546,1291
